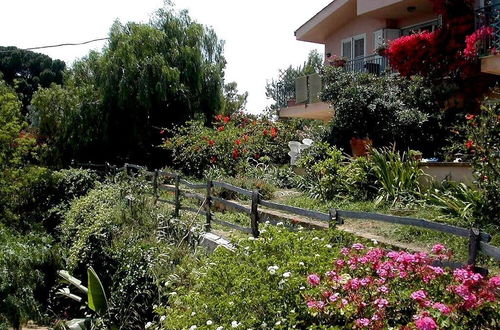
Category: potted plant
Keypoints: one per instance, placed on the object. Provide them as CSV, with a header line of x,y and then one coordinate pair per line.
x,y
337,61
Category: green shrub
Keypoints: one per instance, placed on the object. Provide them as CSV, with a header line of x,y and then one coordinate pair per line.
x,y
260,283
381,108
27,270
230,143
397,174
130,242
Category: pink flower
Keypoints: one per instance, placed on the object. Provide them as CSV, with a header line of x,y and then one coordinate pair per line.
x,y
495,281
383,289
426,323
419,295
344,251
438,248
334,297
358,246
362,322
442,308
381,302
313,304
313,279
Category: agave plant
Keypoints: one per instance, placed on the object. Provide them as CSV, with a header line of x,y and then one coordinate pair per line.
x,y
94,297
397,174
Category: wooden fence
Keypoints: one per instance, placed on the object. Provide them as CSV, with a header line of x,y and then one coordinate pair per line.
x,y
478,240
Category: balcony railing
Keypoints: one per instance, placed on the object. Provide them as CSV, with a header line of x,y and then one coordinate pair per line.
x,y
489,16
375,64
305,90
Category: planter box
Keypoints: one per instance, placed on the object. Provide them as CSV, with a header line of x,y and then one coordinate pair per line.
x,y
458,172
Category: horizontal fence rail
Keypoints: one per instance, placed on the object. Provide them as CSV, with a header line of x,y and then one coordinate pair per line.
x,y
478,241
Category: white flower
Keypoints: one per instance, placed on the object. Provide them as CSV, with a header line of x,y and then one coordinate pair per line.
x,y
193,313
272,269
209,322
374,241
317,255
235,324
287,274
219,328
231,303
301,263
277,323
329,246
279,224
148,325
267,222
173,293
302,288
315,238
193,327
251,238
264,324
162,318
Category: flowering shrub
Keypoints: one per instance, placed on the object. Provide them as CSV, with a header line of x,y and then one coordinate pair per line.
x,y
229,143
375,289
472,41
483,144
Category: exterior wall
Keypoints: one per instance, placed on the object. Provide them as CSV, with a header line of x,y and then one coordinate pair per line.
x,y
437,172
364,24
359,25
409,21
365,6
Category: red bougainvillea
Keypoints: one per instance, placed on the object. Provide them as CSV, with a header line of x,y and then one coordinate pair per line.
x,y
472,41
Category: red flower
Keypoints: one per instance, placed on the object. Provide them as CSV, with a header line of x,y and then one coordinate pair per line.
x,y
257,156
213,160
218,117
245,137
274,132
265,132
220,128
470,117
237,142
226,119
469,144
236,153
211,142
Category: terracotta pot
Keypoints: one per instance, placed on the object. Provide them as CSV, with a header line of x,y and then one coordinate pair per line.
x,y
360,147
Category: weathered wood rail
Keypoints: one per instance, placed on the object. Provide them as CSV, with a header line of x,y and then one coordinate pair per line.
x,y
478,241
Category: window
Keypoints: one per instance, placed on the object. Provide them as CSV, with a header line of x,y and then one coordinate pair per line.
x,y
347,48
354,47
427,26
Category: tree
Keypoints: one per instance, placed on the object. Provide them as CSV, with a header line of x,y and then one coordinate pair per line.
x,y
25,71
232,100
148,77
284,84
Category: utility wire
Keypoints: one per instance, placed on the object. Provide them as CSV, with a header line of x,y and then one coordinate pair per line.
x,y
53,46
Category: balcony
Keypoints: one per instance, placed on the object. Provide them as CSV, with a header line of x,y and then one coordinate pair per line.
x,y
369,64
489,16
302,100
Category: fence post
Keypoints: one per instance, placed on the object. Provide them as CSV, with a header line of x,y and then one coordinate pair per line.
x,y
177,196
474,239
125,168
334,218
155,186
254,213
208,205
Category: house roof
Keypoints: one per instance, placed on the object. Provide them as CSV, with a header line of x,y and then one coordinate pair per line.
x,y
333,15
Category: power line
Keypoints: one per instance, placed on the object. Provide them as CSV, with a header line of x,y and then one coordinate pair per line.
x,y
53,46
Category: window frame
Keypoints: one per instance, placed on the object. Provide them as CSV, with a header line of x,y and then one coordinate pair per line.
x,y
352,40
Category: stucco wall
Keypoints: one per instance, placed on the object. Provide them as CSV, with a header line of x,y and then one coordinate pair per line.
x,y
359,25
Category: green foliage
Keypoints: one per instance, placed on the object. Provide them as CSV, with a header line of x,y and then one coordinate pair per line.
x,y
397,174
381,108
329,174
231,144
484,144
96,295
27,268
258,284
233,101
36,197
131,244
26,71
456,199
